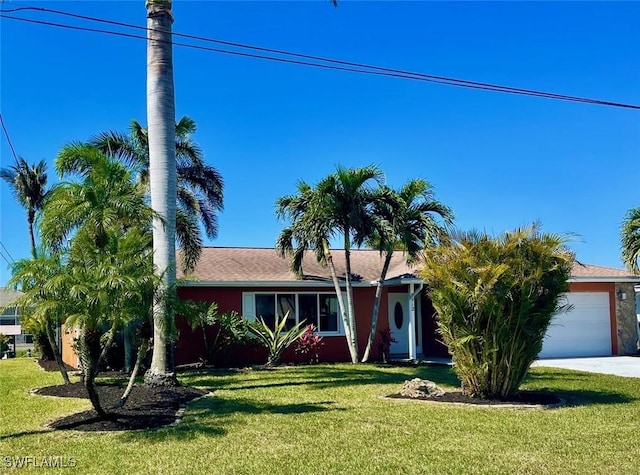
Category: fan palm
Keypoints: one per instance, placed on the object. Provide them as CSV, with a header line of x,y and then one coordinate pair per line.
x,y
407,222
29,185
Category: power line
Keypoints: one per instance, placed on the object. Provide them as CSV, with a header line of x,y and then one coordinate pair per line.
x,y
7,251
5,259
6,134
300,55
334,64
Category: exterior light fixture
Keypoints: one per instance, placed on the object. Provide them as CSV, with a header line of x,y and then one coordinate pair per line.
x,y
621,295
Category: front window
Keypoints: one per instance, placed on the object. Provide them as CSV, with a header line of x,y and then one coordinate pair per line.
x,y
9,317
329,311
287,307
317,309
266,308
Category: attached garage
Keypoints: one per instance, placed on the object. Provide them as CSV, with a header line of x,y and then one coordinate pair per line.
x,y
583,331
603,319
602,322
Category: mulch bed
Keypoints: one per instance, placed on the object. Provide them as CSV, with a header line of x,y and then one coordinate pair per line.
x,y
523,399
146,408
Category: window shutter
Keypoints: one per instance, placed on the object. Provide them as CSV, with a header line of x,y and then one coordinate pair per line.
x,y
248,305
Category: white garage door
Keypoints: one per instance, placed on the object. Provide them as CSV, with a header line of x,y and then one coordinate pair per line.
x,y
584,331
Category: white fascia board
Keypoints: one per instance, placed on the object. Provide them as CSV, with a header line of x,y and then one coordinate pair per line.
x,y
264,283
400,281
11,330
605,279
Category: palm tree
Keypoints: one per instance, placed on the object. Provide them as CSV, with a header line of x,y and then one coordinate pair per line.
x,y
105,199
44,308
408,223
162,176
199,187
309,231
340,204
630,237
29,185
105,288
102,225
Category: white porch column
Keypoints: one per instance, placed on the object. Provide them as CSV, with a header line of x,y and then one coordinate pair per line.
x,y
412,323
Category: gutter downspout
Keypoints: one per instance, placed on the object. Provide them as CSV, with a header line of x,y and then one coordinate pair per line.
x,y
412,320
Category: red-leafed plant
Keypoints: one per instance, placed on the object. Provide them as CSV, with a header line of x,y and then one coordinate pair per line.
x,y
385,338
310,343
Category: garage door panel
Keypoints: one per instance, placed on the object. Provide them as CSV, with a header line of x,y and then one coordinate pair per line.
x,y
583,331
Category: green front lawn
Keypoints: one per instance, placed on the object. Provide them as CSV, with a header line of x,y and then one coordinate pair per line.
x,y
332,419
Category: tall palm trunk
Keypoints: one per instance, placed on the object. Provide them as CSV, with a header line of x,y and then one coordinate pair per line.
x,y
57,354
162,177
350,306
87,344
353,352
376,307
31,216
142,352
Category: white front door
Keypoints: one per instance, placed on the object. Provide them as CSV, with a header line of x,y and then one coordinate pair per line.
x,y
398,323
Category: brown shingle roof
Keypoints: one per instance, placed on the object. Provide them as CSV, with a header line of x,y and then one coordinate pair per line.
x,y
8,295
243,264
246,264
582,271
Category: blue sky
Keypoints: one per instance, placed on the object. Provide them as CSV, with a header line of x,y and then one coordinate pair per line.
x,y
498,160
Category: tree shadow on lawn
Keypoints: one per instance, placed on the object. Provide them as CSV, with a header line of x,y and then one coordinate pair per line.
x,y
210,416
589,394
323,377
25,433
585,397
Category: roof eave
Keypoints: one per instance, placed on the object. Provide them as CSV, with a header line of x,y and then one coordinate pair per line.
x,y
267,283
620,279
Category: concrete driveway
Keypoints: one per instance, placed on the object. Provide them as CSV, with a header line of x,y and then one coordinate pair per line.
x,y
628,366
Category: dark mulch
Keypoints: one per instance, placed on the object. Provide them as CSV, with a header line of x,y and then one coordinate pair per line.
x,y
146,408
528,398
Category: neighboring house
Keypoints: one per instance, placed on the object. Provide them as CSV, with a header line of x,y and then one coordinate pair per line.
x,y
258,282
10,320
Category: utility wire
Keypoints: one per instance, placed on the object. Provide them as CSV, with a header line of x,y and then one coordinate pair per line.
x,y
5,259
7,251
304,56
342,65
6,134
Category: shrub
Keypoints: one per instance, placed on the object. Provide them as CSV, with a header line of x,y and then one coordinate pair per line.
x,y
276,340
230,329
495,298
4,342
310,343
24,353
385,338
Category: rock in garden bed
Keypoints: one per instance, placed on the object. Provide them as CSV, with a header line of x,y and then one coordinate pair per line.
x,y
425,390
147,408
